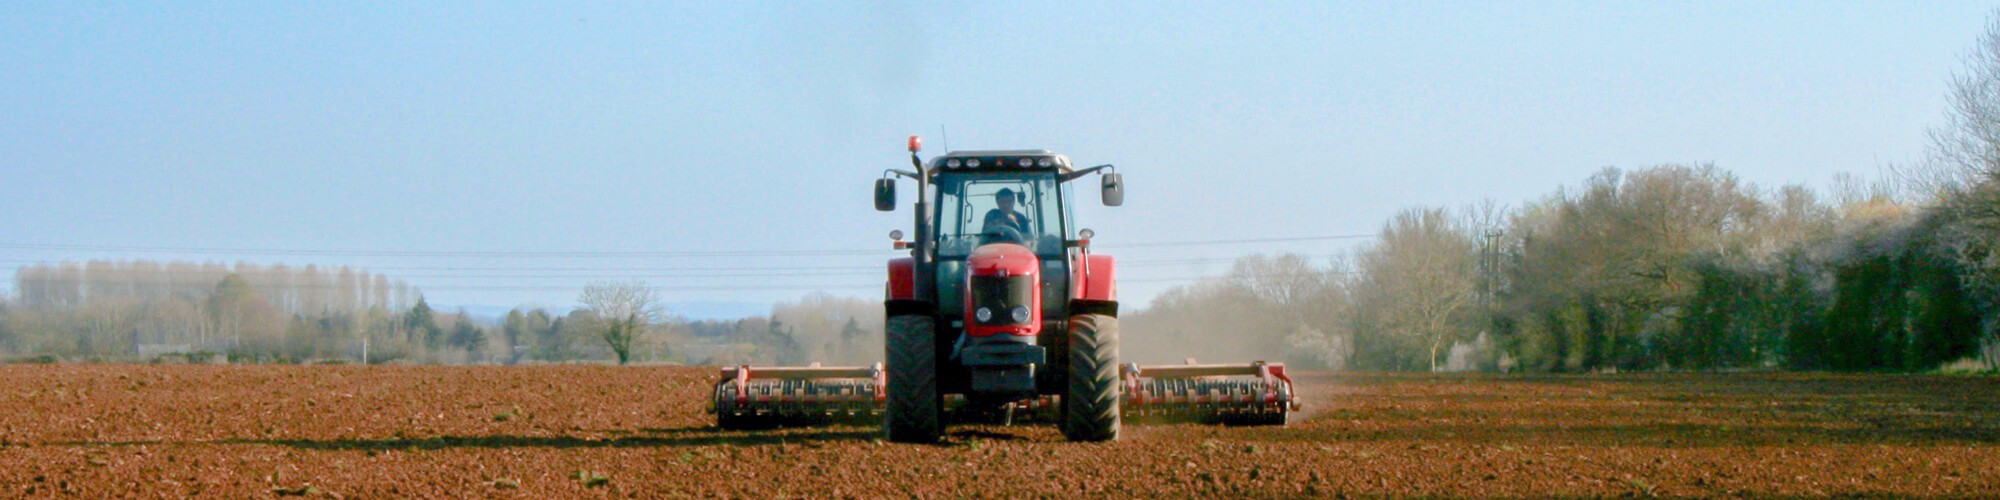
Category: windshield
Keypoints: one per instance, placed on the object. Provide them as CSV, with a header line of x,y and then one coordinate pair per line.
x,y
1021,207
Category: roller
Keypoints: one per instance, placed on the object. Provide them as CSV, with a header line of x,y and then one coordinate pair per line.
x,y
1257,393
750,398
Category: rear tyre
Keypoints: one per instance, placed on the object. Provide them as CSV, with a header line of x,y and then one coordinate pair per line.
x,y
915,412
1090,405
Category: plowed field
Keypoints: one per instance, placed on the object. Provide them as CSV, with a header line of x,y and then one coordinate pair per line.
x,y
531,432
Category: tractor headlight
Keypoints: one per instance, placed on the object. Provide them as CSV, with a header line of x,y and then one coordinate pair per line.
x,y
1044,163
1020,314
951,163
983,314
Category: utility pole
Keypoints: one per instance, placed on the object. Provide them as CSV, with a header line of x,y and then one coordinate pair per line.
x,y
1489,263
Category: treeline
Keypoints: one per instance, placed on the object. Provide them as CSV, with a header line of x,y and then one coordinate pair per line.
x,y
1677,267
143,310
816,328
1666,267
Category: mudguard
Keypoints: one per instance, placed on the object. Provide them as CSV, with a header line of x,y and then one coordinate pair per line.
x,y
902,279
1096,279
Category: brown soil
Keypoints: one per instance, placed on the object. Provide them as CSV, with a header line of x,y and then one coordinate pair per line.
x,y
374,432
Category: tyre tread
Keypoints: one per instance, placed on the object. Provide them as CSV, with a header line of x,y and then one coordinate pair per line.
x,y
914,413
1090,405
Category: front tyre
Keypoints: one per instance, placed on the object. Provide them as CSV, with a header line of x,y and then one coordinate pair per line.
x,y
915,408
1090,405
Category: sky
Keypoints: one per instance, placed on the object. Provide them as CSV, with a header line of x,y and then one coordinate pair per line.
x,y
497,154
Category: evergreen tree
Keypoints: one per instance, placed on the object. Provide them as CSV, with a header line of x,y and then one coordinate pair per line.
x,y
420,323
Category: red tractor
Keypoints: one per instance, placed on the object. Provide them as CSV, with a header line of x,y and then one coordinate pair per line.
x,y
1000,305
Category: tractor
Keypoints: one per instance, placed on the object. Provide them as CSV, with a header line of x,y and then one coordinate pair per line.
x,y
1000,306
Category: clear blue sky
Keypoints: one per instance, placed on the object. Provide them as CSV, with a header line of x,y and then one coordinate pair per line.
x,y
143,130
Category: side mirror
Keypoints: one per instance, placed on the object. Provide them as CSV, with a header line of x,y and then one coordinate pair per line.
x,y
885,194
1114,189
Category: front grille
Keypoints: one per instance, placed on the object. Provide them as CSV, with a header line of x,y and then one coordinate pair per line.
x,y
1000,295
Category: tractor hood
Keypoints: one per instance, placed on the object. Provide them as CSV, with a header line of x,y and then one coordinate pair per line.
x,y
1005,291
1002,259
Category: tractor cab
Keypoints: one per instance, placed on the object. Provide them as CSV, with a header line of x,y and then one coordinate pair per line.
x,y
1024,208
1015,198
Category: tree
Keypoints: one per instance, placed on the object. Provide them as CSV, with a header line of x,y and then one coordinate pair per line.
x,y
1620,262
235,309
624,310
554,343
1300,308
1963,170
817,326
1965,152
465,335
1420,287
515,330
850,335
421,323
785,340
7,337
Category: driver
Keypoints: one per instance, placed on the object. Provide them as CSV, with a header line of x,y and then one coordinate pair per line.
x,y
1005,216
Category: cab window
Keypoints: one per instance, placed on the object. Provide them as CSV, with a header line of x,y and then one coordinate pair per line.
x,y
965,201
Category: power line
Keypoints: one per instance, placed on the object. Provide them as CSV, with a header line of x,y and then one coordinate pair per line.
x,y
672,273
361,268
588,254
117,284
1241,241
452,275
563,274
874,286
625,272
634,276
441,253
877,286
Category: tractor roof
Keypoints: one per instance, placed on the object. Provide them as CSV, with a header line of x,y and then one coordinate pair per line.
x,y
1008,159
1000,152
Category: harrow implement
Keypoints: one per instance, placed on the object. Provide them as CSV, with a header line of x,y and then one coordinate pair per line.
x,y
753,398
1249,394
1257,393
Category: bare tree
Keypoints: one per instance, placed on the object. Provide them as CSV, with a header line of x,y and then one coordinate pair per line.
x,y
625,309
820,325
1214,320
1420,284
1965,152
1963,169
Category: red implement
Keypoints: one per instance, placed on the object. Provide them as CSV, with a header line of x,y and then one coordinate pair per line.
x,y
747,398
1257,393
